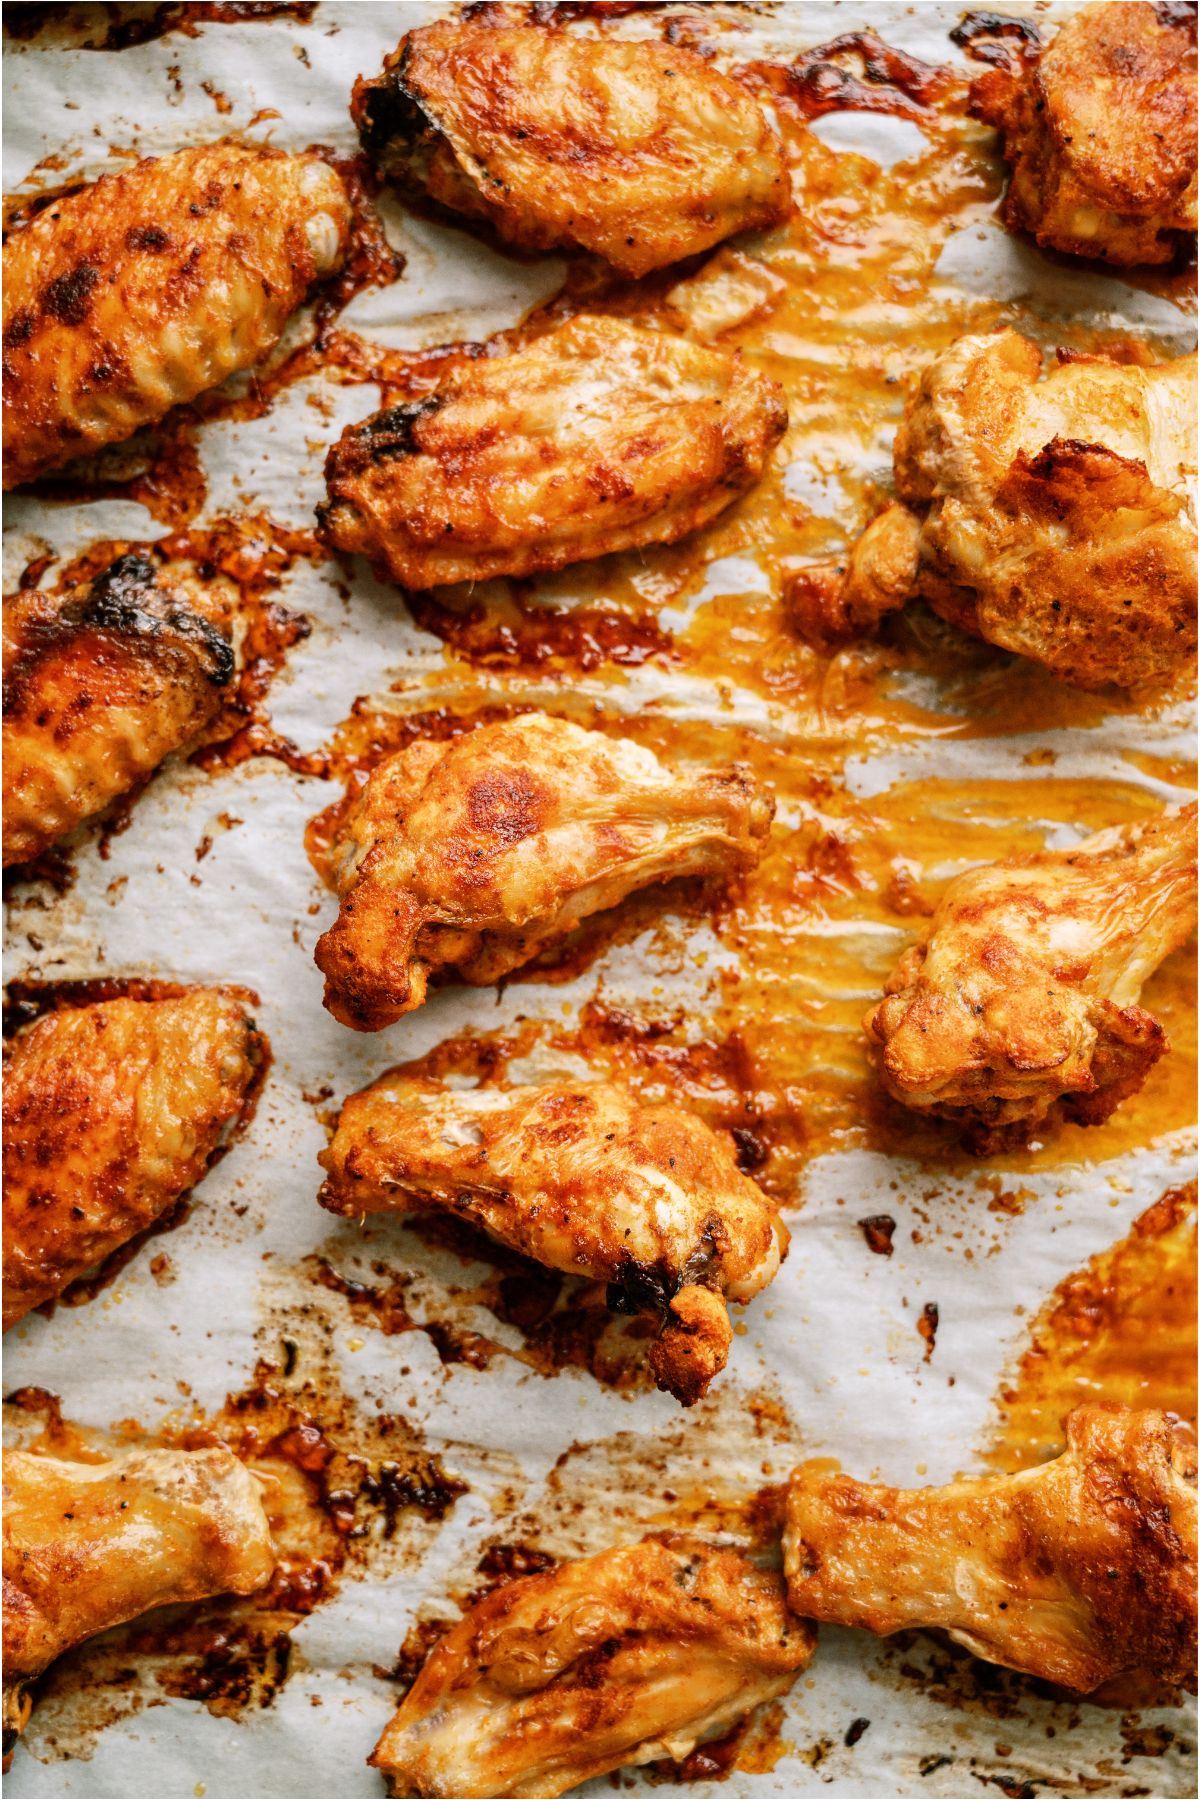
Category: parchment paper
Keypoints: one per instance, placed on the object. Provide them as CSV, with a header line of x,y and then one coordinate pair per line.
x,y
834,1337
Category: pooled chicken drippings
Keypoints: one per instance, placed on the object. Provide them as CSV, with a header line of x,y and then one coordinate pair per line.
x,y
1021,1005
151,286
598,437
100,684
89,1545
1100,129
622,1658
581,1178
1050,514
1078,1571
640,152
112,1112
478,854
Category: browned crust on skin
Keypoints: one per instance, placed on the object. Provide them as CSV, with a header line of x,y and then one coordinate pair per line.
x,y
151,286
1079,1571
476,855
615,1659
111,1112
100,684
598,437
640,152
1004,1019
1100,130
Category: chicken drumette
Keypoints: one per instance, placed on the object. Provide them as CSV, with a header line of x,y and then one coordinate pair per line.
x,y
1048,513
478,854
1021,1005
641,152
1078,1571
148,287
599,436
581,1178
622,1658
88,1545
111,1112
1100,129
100,684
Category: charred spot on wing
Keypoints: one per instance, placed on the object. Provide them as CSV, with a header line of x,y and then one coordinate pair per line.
x,y
387,112
68,298
394,432
640,1287
127,598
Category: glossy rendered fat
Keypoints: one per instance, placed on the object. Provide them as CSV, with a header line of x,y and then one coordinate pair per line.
x,y
149,287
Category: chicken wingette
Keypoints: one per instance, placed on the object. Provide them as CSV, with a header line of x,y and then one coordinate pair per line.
x,y
89,1545
100,684
112,1111
622,1658
145,289
1021,1006
477,854
582,1178
1080,1570
1100,129
640,152
1050,513
599,436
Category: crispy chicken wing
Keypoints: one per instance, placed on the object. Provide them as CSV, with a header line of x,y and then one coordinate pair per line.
x,y
477,854
100,684
1051,516
1100,129
625,1657
640,152
1021,1005
88,1545
1077,1571
145,289
111,1112
599,436
582,1178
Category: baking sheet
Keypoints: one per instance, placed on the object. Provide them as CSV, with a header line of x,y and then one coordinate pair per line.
x,y
830,1363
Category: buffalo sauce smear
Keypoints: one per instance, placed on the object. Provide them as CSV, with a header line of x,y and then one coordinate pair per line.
x,y
1123,1328
843,305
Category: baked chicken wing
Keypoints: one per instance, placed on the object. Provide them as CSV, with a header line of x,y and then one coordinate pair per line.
x,y
89,1545
100,684
1077,1571
626,1657
1048,513
581,1178
1100,129
598,437
1021,1005
640,152
148,287
478,854
111,1112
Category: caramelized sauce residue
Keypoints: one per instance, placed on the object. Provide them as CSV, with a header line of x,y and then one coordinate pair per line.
x,y
1121,1329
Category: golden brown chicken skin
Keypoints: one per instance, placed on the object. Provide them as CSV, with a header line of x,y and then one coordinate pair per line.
x,y
149,287
112,1111
622,1658
639,152
1048,512
477,854
1021,1007
89,1545
1100,129
1079,1570
100,684
581,1178
598,437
